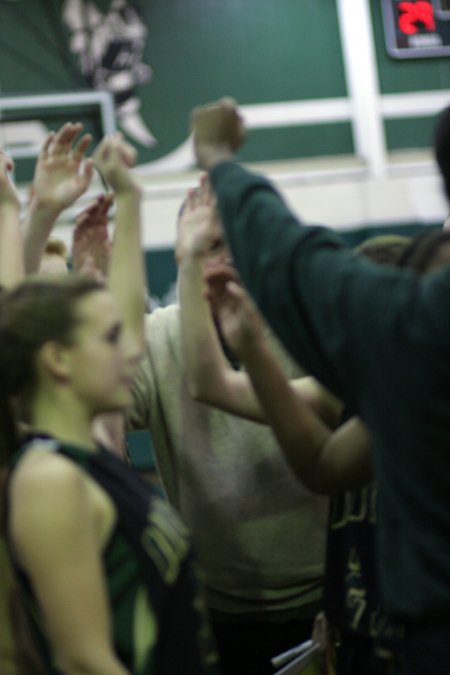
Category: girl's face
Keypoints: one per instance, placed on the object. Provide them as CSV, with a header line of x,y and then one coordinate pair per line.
x,y
99,372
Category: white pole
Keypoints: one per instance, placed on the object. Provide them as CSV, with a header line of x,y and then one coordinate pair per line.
x,y
362,82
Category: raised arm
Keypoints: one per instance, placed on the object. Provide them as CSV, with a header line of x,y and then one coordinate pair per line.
x,y
211,379
323,301
11,250
327,461
126,276
200,250
91,247
91,252
60,178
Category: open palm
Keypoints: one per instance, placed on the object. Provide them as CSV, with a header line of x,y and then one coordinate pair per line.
x,y
59,176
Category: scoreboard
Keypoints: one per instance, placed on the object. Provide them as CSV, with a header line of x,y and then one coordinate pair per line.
x,y
417,28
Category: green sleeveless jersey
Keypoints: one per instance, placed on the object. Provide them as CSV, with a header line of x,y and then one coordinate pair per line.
x,y
159,622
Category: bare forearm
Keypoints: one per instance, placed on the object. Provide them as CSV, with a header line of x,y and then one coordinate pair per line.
x,y
327,461
126,277
300,433
11,248
37,226
210,377
202,354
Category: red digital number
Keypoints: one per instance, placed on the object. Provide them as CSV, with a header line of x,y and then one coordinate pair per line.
x,y
412,13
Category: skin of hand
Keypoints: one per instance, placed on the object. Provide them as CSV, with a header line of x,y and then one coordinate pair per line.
x,y
114,157
240,321
61,176
200,232
60,179
91,247
218,132
11,245
9,197
329,462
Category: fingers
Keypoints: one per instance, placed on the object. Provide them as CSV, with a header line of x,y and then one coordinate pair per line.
x,y
200,196
127,152
81,147
6,162
47,143
228,101
206,193
113,159
114,147
95,214
220,273
60,143
217,126
64,137
192,199
104,203
107,202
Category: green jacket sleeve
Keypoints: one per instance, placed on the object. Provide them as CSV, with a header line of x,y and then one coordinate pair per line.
x,y
336,313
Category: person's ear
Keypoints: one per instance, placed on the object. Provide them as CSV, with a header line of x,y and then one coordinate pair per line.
x,y
54,358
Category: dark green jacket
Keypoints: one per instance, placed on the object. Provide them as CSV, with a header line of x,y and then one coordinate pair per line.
x,y
380,339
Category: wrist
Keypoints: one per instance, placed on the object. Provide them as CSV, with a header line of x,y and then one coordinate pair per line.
x,y
251,345
189,258
45,208
130,192
209,156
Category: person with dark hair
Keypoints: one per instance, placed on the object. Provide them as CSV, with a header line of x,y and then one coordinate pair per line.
x,y
105,567
337,462
380,340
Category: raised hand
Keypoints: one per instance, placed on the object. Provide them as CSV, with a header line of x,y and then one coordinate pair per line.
x,y
218,131
114,157
60,177
240,322
11,247
91,247
199,229
8,193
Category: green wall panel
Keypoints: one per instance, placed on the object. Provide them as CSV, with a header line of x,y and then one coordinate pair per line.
x,y
294,142
258,51
409,133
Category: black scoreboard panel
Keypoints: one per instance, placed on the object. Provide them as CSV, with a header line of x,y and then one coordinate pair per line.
x,y
442,8
417,28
